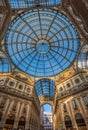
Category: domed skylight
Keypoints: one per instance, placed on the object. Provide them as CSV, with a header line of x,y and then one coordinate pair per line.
x,y
42,42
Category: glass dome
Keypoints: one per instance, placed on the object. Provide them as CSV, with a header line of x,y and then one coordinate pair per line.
x,y
17,4
42,42
45,87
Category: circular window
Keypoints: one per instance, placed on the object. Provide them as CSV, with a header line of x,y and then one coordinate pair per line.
x,y
42,42
68,85
11,83
28,90
20,87
77,81
61,89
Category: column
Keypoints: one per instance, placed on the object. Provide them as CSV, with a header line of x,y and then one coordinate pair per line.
x,y
21,110
10,107
21,106
62,125
5,112
80,106
16,116
72,115
1,98
28,114
31,123
84,106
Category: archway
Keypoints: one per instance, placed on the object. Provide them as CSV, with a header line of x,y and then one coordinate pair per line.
x,y
80,122
46,117
21,124
9,122
68,123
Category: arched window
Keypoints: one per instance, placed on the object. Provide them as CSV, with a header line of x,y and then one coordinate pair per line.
x,y
68,122
79,120
4,63
46,117
47,107
10,121
21,124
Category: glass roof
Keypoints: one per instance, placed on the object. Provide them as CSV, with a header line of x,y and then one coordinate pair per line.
x,y
83,58
45,87
4,63
17,4
42,42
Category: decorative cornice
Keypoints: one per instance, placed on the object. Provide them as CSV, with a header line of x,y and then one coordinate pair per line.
x,y
73,91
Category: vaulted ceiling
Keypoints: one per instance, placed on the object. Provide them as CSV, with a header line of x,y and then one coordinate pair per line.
x,y
43,39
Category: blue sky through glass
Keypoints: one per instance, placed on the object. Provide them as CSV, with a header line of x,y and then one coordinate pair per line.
x,y
83,60
47,108
45,87
32,3
4,63
42,42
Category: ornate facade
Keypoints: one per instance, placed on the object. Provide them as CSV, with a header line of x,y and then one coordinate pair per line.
x,y
72,103
43,59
